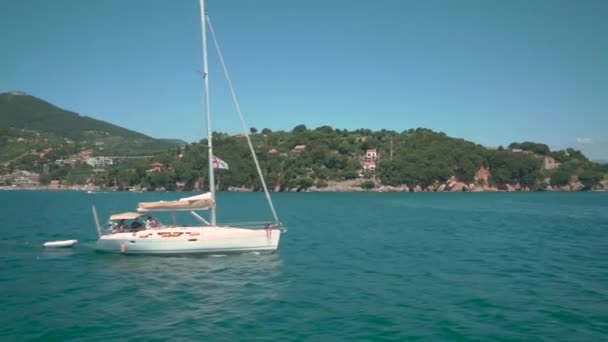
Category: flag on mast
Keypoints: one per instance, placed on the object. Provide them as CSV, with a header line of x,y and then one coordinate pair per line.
x,y
219,164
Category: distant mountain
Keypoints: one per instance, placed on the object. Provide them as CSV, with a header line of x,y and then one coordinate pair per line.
x,y
173,141
20,111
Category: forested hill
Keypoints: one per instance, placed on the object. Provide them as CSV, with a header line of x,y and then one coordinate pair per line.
x,y
315,158
22,114
54,143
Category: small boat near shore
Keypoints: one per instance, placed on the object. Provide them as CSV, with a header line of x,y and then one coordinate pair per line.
x,y
60,244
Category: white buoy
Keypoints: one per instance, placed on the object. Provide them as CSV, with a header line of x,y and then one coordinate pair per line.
x,y
64,243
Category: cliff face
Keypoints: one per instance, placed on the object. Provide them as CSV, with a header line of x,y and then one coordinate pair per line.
x,y
482,175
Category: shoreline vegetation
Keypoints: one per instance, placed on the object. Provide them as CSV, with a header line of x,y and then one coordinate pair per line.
x,y
76,152
319,160
333,187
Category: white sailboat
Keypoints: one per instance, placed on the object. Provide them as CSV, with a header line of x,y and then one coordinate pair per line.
x,y
209,236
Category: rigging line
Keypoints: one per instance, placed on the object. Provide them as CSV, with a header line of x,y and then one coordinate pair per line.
x,y
238,109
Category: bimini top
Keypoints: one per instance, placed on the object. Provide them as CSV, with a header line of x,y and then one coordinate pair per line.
x,y
126,216
197,202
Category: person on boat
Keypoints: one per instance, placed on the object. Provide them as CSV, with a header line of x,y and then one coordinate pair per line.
x,y
118,227
151,222
136,225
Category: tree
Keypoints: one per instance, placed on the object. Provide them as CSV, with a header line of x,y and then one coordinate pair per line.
x,y
560,177
305,183
532,146
253,130
368,185
299,129
576,154
590,178
324,129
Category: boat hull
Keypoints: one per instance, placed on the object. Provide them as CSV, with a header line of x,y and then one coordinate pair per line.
x,y
191,240
60,244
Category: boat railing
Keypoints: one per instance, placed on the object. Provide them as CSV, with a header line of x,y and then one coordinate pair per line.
x,y
109,228
255,225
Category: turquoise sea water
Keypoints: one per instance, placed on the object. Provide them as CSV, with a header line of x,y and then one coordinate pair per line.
x,y
370,266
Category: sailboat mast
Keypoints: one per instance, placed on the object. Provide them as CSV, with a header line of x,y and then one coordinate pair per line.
x,y
207,108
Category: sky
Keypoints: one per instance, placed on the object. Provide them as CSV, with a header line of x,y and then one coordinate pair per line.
x,y
489,71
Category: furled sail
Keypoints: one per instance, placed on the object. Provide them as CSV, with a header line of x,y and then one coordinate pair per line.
x,y
198,202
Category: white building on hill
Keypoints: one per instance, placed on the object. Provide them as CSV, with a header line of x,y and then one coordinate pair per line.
x,y
99,161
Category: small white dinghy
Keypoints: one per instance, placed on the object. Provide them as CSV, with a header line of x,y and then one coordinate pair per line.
x,y
64,243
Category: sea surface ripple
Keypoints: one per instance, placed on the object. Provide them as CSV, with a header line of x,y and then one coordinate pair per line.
x,y
353,266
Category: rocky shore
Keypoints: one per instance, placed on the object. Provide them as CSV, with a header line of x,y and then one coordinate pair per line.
x,y
450,186
480,184
356,186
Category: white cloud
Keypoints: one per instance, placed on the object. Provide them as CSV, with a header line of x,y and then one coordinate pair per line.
x,y
585,141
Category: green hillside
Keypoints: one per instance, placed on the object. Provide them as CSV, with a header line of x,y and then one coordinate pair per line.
x,y
26,116
326,156
40,137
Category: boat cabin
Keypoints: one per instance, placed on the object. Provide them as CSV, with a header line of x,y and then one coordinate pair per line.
x,y
131,222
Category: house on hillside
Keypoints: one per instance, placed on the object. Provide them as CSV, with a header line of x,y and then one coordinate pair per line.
x,y
369,165
298,149
21,178
99,161
85,154
371,154
69,161
519,150
155,167
370,159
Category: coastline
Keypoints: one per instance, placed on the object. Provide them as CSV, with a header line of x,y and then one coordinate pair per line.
x,y
382,189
